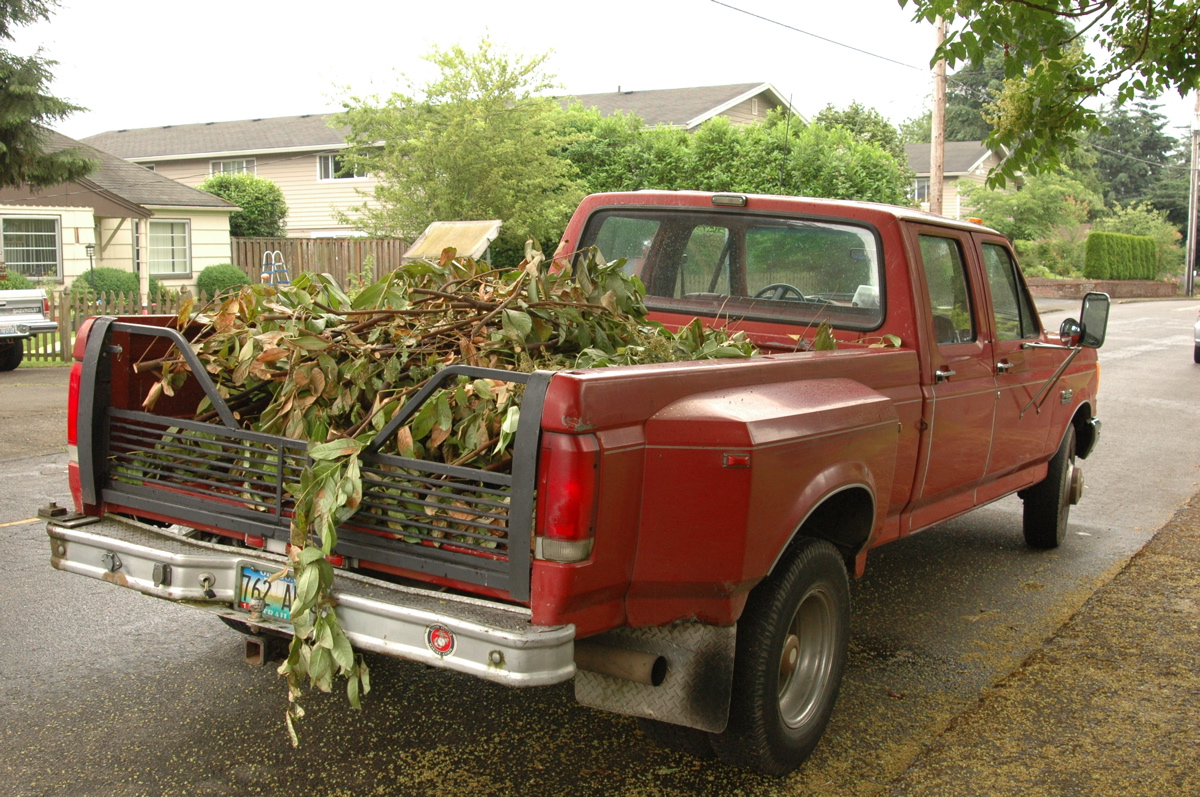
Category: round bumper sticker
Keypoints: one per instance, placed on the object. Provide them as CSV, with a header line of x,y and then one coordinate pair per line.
x,y
440,640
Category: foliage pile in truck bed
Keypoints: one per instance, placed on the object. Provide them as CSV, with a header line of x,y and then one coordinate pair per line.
x,y
308,362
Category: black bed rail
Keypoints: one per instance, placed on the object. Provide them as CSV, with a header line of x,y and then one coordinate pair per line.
x,y
449,521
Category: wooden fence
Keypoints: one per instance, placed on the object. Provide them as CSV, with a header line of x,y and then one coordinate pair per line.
x,y
70,311
344,258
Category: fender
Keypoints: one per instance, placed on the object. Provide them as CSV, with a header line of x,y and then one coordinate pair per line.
x,y
731,476
856,513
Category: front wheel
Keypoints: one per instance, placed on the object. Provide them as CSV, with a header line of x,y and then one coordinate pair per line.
x,y
791,652
1048,503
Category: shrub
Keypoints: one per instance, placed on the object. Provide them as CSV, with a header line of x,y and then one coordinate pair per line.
x,y
218,279
1117,256
114,280
263,208
16,282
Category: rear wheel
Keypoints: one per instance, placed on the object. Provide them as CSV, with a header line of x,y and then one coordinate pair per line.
x,y
1048,503
791,651
1196,353
11,354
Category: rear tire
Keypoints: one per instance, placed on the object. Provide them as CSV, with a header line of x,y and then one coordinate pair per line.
x,y
791,652
1196,353
1048,503
11,355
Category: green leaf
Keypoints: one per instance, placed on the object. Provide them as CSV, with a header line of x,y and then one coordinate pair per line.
x,y
343,653
517,325
308,343
335,449
306,589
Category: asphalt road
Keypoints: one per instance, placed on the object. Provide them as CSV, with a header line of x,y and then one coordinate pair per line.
x,y
103,691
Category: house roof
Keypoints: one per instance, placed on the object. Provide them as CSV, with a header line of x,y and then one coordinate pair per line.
x,y
246,136
677,107
960,157
123,184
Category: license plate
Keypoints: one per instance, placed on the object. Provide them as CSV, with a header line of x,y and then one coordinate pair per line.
x,y
13,329
277,595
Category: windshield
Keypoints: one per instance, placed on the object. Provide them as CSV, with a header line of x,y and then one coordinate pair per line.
x,y
768,268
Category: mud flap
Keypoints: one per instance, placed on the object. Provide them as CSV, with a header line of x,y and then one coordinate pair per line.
x,y
697,686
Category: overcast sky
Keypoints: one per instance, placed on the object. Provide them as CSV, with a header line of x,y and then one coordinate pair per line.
x,y
145,63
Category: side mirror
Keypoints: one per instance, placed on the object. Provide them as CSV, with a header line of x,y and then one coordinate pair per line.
x,y
1070,332
1093,317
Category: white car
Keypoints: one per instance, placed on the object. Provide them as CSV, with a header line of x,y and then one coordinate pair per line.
x,y
1196,338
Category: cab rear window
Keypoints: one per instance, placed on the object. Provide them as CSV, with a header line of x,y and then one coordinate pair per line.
x,y
767,268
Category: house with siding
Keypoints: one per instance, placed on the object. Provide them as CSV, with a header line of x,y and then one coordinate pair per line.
x,y
132,217
741,103
965,162
300,154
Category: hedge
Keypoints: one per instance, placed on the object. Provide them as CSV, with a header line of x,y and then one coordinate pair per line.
x,y
1117,256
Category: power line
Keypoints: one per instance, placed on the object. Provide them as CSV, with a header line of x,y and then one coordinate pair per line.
x,y
822,38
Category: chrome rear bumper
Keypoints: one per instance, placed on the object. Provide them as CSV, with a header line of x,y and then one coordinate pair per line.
x,y
491,640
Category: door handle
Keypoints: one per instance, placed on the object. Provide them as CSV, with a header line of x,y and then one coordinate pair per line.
x,y
1003,367
942,374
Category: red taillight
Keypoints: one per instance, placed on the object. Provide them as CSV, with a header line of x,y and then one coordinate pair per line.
x,y
81,337
45,307
73,405
567,473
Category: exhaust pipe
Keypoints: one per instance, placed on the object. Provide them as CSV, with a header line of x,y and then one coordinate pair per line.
x,y
628,665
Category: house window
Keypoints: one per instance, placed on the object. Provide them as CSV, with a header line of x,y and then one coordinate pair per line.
x,y
331,167
754,107
239,166
31,247
920,189
169,247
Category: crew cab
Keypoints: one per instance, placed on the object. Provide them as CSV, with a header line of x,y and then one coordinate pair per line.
x,y
679,537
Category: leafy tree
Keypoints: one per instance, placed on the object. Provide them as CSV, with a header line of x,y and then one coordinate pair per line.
x,y
1170,192
917,129
620,153
1136,49
1043,204
1132,152
866,124
263,208
778,156
477,142
27,110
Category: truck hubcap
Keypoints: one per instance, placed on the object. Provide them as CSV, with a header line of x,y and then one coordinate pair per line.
x,y
807,657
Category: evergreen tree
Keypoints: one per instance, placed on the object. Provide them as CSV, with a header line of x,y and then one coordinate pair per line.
x,y
27,109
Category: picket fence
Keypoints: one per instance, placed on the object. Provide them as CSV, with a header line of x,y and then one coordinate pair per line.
x,y
70,311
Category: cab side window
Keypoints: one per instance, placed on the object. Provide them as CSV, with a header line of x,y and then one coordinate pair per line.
x,y
946,277
1015,319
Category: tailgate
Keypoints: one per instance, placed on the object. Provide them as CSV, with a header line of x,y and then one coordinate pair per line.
x,y
491,640
462,525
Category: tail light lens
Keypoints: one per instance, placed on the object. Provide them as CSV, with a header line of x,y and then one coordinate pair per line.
x,y
568,467
73,404
45,307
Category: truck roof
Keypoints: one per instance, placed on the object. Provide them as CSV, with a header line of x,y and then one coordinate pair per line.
x,y
868,211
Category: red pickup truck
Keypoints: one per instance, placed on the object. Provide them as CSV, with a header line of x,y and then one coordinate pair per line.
x,y
678,537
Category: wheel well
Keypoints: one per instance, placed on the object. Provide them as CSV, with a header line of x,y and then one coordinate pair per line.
x,y
1085,433
844,519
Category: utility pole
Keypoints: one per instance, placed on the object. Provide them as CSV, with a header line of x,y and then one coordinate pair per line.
x,y
937,144
1193,203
